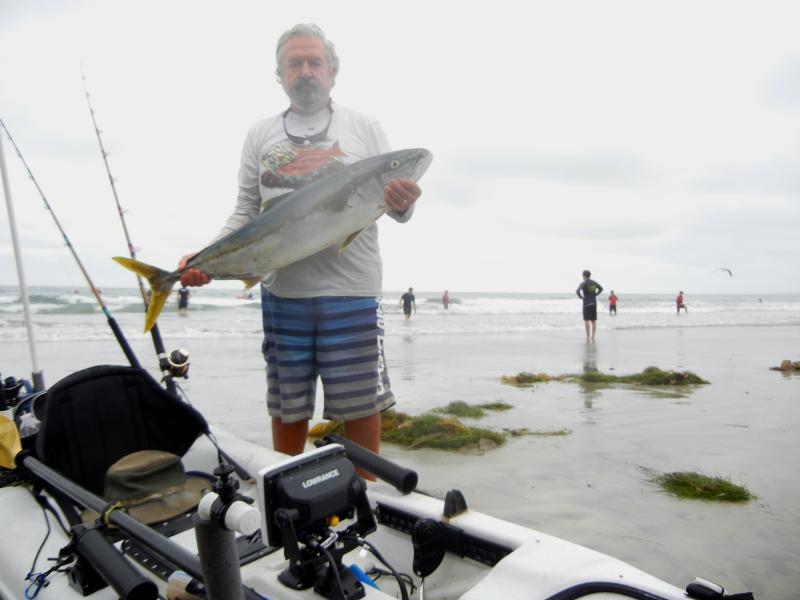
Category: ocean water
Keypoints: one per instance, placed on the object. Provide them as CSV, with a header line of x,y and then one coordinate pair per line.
x,y
73,315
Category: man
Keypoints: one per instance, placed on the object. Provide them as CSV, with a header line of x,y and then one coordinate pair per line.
x,y
183,298
612,304
322,315
679,304
588,291
407,300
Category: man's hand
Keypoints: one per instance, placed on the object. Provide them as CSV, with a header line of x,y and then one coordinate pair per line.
x,y
400,194
192,277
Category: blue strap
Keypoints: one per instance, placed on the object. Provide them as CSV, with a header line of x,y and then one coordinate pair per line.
x,y
37,582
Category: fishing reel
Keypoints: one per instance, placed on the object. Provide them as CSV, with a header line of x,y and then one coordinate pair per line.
x,y
10,392
178,363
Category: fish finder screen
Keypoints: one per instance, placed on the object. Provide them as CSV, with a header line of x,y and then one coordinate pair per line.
x,y
311,492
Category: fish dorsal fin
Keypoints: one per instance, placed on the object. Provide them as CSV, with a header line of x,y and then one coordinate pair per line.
x,y
349,240
250,282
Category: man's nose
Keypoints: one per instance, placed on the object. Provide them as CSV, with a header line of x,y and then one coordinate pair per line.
x,y
305,70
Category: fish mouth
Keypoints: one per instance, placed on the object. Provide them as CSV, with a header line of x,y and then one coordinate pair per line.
x,y
422,164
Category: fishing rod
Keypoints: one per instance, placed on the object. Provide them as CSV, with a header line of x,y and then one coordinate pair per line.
x,y
111,320
123,342
177,361
161,354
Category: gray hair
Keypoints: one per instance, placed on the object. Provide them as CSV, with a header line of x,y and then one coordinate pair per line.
x,y
310,30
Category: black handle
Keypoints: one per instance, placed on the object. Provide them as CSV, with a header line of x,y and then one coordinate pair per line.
x,y
129,583
405,480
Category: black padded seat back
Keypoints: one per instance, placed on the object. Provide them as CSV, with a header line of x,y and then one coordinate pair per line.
x,y
96,416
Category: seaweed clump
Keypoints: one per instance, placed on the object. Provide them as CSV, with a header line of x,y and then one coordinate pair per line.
x,y
650,376
540,432
462,409
496,406
424,431
687,484
524,378
324,428
787,366
432,431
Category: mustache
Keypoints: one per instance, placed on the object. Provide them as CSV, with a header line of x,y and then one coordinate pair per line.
x,y
306,85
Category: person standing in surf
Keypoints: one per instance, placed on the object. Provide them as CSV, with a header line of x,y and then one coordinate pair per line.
x,y
446,300
322,316
408,300
183,298
588,291
679,304
612,304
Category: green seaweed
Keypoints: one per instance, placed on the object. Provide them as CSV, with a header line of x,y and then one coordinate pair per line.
x,y
540,432
650,376
424,431
460,408
552,432
496,406
432,431
322,429
524,378
687,484
787,366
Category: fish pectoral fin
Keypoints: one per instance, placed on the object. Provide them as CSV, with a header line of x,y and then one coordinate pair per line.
x,y
349,240
248,283
273,202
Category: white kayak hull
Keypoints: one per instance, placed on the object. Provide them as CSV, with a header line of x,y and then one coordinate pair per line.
x,y
537,566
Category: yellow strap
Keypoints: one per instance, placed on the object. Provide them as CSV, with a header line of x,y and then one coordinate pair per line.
x,y
108,510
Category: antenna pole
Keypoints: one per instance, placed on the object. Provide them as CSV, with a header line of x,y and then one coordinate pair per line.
x,y
38,377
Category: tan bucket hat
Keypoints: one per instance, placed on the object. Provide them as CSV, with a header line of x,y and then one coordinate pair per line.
x,y
151,486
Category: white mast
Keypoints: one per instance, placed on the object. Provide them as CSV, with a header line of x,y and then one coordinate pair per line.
x,y
38,378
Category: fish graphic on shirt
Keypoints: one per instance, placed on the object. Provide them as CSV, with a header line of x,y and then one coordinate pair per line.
x,y
295,166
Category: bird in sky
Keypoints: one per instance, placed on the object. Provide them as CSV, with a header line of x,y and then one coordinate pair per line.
x,y
726,270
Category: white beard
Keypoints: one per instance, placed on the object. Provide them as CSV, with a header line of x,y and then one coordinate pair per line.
x,y
307,96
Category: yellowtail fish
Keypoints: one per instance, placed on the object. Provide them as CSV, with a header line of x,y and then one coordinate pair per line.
x,y
329,211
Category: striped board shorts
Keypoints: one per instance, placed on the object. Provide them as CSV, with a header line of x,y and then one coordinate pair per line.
x,y
340,340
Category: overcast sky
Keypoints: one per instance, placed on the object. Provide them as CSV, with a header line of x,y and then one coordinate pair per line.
x,y
651,142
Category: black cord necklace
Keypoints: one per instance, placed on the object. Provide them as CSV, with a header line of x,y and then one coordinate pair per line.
x,y
308,139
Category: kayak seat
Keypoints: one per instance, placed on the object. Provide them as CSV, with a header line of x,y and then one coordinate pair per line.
x,y
93,417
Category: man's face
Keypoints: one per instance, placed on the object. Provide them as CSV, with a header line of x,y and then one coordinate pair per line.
x,y
306,73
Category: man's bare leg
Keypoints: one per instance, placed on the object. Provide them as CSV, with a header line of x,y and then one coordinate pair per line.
x,y
289,438
366,432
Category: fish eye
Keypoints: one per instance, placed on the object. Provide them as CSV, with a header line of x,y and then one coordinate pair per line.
x,y
394,164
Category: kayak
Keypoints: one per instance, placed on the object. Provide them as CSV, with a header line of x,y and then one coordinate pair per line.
x,y
312,527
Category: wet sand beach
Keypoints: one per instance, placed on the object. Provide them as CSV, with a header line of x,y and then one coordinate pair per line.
x,y
591,486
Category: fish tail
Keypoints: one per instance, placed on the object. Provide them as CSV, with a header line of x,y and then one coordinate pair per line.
x,y
161,283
